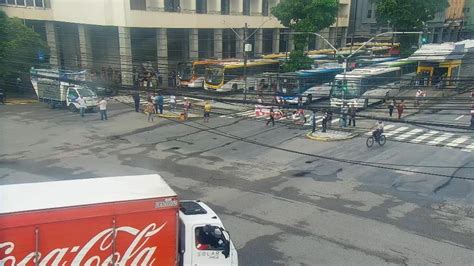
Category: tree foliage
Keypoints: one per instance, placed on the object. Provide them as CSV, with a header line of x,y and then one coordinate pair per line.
x,y
19,48
304,16
407,15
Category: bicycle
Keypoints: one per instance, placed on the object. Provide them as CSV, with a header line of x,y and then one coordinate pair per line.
x,y
380,140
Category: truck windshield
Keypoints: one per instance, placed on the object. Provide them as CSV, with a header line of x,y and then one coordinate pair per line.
x,y
84,92
207,238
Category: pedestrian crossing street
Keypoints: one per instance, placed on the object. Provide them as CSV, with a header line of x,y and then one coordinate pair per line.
x,y
252,114
428,137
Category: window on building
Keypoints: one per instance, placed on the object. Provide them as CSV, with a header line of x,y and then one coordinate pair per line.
x,y
172,6
369,13
201,6
11,2
265,9
47,3
225,7
39,3
138,4
2,2
20,2
30,3
246,7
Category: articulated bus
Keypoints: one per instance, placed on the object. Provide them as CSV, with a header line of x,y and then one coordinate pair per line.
x,y
372,84
229,76
191,74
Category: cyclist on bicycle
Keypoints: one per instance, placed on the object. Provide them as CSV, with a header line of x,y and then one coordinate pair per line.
x,y
378,130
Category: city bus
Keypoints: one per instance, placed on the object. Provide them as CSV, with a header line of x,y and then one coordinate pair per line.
x,y
191,74
307,84
229,76
370,85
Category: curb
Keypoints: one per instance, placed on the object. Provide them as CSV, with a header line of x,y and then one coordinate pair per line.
x,y
327,139
169,116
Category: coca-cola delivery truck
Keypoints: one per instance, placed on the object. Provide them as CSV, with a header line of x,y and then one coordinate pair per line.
x,y
125,220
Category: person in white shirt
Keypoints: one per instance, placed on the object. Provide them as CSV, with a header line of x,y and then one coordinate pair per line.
x,y
103,109
82,105
172,102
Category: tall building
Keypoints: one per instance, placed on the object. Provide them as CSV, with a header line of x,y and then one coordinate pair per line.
x,y
116,36
445,26
467,31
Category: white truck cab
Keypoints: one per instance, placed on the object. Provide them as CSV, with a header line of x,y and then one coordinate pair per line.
x,y
203,239
73,93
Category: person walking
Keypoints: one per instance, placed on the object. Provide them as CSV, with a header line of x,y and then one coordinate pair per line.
x,y
103,109
161,102
300,102
207,111
136,100
172,103
352,115
417,98
186,107
155,102
314,121
400,109
344,115
150,111
472,116
82,105
325,121
271,117
391,106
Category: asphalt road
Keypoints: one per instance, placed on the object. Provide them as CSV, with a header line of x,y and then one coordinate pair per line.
x,y
285,199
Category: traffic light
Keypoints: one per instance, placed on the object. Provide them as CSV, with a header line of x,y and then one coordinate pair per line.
x,y
344,86
424,39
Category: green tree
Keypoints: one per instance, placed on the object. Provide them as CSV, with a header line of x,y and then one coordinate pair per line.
x,y
304,16
19,48
408,15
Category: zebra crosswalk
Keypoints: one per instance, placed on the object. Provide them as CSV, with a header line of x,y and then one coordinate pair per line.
x,y
251,114
428,137
166,100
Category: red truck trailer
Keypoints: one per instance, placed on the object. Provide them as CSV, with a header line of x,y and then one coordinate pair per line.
x,y
127,220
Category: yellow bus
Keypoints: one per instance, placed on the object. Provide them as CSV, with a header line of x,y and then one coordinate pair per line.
x,y
229,76
191,74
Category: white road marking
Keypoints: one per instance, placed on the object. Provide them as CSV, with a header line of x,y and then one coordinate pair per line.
x,y
396,131
409,134
440,139
246,113
458,141
387,127
469,148
424,136
459,117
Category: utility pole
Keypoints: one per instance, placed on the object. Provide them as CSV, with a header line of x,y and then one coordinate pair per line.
x,y
354,25
245,61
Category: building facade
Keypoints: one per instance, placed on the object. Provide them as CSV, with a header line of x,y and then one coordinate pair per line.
x,y
117,36
445,27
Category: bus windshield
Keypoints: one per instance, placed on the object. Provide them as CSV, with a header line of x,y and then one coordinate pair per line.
x,y
289,86
353,91
214,75
185,71
200,70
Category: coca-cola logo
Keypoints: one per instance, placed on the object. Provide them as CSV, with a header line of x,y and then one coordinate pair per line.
x,y
137,253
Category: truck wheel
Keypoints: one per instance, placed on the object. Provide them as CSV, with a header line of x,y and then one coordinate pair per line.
x,y
72,108
235,87
51,105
